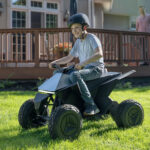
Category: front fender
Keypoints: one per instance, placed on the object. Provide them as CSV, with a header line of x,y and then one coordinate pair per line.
x,y
40,99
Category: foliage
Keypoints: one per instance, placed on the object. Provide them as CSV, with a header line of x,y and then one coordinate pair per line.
x,y
124,85
10,85
39,82
6,84
95,135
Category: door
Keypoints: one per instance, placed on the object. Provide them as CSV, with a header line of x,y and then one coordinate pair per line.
x,y
36,20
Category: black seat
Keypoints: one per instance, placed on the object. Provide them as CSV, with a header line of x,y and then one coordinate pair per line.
x,y
92,84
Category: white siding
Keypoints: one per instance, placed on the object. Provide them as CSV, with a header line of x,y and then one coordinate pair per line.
x,y
99,16
116,22
3,16
124,7
83,6
124,13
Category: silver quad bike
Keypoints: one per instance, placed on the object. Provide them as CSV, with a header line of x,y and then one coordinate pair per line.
x,y
65,119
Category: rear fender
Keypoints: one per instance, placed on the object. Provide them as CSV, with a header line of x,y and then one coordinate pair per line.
x,y
118,78
126,74
39,100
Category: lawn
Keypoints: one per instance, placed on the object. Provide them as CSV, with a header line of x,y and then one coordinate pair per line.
x,y
95,135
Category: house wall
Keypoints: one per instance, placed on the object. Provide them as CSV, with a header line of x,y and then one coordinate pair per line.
x,y
116,22
121,15
6,18
65,7
93,11
124,13
83,6
99,16
80,9
124,7
3,16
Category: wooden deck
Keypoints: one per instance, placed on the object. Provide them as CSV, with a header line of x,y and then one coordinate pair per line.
x,y
25,53
43,72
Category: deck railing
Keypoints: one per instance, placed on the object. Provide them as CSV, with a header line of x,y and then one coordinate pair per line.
x,y
37,47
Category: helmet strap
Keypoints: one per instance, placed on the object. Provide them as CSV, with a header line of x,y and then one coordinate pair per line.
x,y
84,28
83,34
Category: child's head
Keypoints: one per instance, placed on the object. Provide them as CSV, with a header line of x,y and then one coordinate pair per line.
x,y
78,24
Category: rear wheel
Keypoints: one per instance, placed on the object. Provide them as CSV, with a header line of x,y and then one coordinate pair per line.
x,y
27,116
65,122
130,113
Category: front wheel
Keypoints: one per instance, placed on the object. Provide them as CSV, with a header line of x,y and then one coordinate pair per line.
x,y
27,116
65,122
131,113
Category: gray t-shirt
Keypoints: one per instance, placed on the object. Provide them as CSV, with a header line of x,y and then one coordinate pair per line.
x,y
84,49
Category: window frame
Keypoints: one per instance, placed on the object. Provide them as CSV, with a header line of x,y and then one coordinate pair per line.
x,y
34,1
51,3
12,3
21,53
20,19
53,22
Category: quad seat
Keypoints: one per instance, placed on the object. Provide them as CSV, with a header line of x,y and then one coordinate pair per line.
x,y
92,84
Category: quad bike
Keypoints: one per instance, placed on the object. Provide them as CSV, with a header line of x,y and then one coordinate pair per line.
x,y
65,120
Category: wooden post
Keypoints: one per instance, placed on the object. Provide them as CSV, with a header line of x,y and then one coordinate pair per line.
x,y
120,50
148,48
37,48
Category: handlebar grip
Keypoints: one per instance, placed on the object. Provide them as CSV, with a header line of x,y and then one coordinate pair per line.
x,y
57,66
54,65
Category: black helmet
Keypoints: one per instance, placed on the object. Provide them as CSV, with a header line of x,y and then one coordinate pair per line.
x,y
79,18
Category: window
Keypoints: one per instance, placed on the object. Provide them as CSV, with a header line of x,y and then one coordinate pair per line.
x,y
19,2
51,21
19,43
18,19
19,47
52,5
36,4
1,6
133,25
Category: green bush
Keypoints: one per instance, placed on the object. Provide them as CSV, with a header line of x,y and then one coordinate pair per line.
x,y
7,84
124,85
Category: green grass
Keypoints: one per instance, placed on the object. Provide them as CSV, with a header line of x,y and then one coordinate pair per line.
x,y
95,135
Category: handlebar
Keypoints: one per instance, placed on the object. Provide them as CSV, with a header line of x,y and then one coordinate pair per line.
x,y
56,66
64,69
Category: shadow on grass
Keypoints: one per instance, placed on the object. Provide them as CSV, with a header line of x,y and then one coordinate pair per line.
x,y
34,138
25,138
106,130
101,128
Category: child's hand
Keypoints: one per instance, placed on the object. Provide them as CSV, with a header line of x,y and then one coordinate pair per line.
x,y
78,66
51,65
